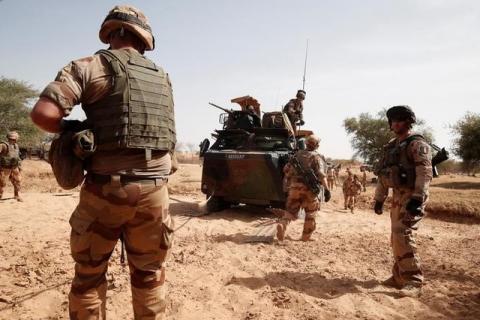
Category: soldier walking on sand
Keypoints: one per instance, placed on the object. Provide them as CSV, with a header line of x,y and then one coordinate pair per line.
x,y
351,189
300,194
406,167
364,179
330,177
10,164
294,109
128,101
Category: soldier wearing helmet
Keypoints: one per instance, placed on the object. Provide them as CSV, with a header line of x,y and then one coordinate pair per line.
x,y
406,168
300,194
128,101
351,189
10,164
294,109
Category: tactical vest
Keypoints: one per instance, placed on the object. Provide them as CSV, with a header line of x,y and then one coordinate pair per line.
x,y
397,169
12,158
138,111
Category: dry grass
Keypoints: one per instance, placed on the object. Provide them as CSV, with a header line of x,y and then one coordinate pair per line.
x,y
451,196
37,176
455,195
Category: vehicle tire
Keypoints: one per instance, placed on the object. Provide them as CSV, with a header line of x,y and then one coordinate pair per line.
x,y
278,204
215,204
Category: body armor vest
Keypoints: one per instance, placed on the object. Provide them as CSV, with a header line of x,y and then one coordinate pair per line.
x,y
397,169
138,111
12,158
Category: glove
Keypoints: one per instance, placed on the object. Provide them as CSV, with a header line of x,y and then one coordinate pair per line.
x,y
72,125
327,195
414,207
378,208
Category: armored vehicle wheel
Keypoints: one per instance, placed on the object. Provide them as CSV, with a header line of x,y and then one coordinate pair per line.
x,y
215,204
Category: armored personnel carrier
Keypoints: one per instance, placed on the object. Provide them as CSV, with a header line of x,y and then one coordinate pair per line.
x,y
245,163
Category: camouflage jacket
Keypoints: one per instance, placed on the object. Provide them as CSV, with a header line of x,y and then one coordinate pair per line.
x,y
308,160
294,110
352,187
417,156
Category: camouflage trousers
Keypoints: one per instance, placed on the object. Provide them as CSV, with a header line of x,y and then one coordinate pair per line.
x,y
14,175
406,268
300,196
349,201
330,182
140,213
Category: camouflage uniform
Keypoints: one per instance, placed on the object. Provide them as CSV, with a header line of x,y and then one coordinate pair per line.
x,y
299,195
125,192
10,166
330,177
364,180
294,109
351,189
416,155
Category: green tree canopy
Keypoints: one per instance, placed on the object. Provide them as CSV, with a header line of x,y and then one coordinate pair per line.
x,y
370,133
15,98
467,141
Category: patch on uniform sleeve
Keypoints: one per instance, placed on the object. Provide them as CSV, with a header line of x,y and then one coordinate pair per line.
x,y
423,150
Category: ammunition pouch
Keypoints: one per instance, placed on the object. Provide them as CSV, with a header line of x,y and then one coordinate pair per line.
x,y
398,177
8,162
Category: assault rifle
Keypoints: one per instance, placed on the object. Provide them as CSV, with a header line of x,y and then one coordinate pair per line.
x,y
308,176
441,156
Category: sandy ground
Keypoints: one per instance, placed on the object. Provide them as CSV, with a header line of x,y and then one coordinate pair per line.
x,y
220,269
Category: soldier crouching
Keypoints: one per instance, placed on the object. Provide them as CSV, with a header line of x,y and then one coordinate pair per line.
x,y
300,195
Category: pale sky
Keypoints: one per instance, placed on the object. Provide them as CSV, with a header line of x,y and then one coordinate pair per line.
x,y
363,56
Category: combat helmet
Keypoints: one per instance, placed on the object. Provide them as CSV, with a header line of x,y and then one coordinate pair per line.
x,y
312,142
301,94
12,135
403,113
131,19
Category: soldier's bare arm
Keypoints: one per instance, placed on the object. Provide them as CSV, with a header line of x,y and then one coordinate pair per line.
x,y
3,148
47,115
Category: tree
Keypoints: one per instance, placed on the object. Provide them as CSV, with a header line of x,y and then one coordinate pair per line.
x,y
467,141
370,133
15,98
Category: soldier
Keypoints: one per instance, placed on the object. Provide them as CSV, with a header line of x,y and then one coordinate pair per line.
x,y
351,189
294,109
330,177
364,179
10,164
406,168
128,101
337,174
299,194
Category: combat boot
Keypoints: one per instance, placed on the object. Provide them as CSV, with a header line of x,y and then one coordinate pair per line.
x,y
17,197
280,232
411,290
306,237
391,282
